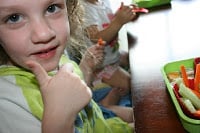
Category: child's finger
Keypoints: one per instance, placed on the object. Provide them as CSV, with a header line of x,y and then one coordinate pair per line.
x,y
122,4
67,67
39,72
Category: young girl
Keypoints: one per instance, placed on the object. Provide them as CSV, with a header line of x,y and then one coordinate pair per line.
x,y
100,22
38,91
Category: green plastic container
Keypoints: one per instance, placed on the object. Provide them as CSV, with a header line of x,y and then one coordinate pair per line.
x,y
191,125
151,3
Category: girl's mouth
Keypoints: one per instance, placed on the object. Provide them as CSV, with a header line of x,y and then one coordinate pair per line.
x,y
46,54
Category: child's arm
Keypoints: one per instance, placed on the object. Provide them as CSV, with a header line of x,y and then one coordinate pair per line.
x,y
92,58
124,15
66,89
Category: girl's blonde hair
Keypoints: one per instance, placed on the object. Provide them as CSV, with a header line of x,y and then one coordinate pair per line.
x,y
78,41
74,12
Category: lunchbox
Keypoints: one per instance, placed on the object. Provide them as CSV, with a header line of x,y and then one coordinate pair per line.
x,y
151,3
191,125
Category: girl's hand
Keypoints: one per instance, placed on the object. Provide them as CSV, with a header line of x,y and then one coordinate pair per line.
x,y
65,88
64,94
94,56
125,14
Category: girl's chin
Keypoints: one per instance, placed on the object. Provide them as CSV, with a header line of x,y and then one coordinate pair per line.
x,y
51,68
47,66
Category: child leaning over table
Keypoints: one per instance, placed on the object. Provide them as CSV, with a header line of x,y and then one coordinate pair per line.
x,y
40,89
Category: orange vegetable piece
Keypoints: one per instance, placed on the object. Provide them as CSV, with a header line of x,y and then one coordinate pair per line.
x,y
197,113
197,78
100,41
184,76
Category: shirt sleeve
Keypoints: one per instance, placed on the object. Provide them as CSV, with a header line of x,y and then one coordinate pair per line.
x,y
16,119
91,16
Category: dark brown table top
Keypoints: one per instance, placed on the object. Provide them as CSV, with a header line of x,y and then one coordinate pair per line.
x,y
167,34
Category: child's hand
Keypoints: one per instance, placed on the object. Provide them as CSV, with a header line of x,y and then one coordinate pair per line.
x,y
125,14
64,93
94,56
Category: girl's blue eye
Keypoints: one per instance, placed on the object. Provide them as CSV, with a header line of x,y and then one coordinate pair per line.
x,y
52,8
13,18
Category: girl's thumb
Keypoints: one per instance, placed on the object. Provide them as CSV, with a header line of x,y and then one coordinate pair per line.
x,y
38,70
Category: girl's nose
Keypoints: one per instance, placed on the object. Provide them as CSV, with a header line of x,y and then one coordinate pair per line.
x,y
42,32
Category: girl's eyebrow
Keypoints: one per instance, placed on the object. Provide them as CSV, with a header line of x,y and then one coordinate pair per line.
x,y
5,11
15,8
8,9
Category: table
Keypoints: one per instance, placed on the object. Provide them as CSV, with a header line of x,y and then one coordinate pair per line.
x,y
163,35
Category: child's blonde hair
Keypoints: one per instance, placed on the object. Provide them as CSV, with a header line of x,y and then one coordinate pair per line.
x,y
73,9
78,41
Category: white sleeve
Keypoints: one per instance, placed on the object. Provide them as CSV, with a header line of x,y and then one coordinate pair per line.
x,y
16,119
91,16
107,3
